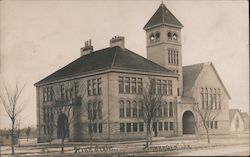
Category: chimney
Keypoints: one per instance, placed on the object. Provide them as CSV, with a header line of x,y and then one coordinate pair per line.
x,y
117,41
88,48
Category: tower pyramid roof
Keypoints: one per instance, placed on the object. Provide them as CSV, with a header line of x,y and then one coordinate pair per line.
x,y
162,17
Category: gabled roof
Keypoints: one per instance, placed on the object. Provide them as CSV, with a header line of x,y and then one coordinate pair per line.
x,y
108,58
162,16
191,73
232,113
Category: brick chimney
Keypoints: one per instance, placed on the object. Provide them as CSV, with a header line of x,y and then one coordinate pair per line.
x,y
88,48
117,41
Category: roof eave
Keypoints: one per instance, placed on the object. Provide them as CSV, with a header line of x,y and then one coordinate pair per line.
x,y
166,24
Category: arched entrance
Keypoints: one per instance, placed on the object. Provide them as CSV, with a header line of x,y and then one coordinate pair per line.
x,y
62,126
188,123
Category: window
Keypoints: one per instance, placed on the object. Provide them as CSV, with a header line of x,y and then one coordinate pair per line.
x,y
160,126
165,108
166,126
170,92
169,35
100,127
130,85
140,109
152,38
76,89
134,108
121,84
94,87
160,110
171,125
45,97
89,87
94,110
211,125
99,88
141,127
90,128
99,110
171,109
135,127
122,127
207,123
127,84
216,125
122,109
89,111
164,86
128,127
174,36
128,109
206,98
153,86
158,87
157,36
139,82
133,85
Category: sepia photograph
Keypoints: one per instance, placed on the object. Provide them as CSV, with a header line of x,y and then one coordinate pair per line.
x,y
124,78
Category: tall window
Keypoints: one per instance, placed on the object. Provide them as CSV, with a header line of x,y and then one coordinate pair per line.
x,y
139,83
121,84
158,86
171,126
127,84
128,109
165,107
171,113
134,108
99,110
140,109
206,98
133,85
99,88
164,86
128,127
160,126
166,126
62,91
122,109
76,89
135,127
89,87
94,87
141,127
170,89
160,111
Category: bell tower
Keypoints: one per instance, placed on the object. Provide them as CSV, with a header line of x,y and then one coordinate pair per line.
x,y
163,36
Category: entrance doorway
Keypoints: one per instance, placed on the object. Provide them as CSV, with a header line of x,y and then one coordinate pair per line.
x,y
62,126
188,123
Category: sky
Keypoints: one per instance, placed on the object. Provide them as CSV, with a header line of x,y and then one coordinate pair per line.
x,y
39,37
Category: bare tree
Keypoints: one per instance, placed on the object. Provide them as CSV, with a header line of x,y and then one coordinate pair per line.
x,y
10,98
150,101
206,114
27,132
62,107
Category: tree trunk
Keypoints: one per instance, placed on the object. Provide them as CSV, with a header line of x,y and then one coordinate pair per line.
x,y
148,134
151,141
208,138
12,138
62,150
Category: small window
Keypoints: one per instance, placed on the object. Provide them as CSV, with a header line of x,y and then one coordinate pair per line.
x,y
169,35
152,38
128,127
135,127
174,36
141,126
157,36
122,127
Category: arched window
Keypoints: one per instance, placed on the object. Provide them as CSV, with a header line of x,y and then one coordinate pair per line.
x,y
152,38
128,109
169,35
157,36
134,108
121,106
174,36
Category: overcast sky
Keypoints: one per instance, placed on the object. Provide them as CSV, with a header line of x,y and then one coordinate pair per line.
x,y
39,37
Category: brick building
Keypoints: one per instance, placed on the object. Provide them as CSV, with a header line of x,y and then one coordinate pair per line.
x,y
107,82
